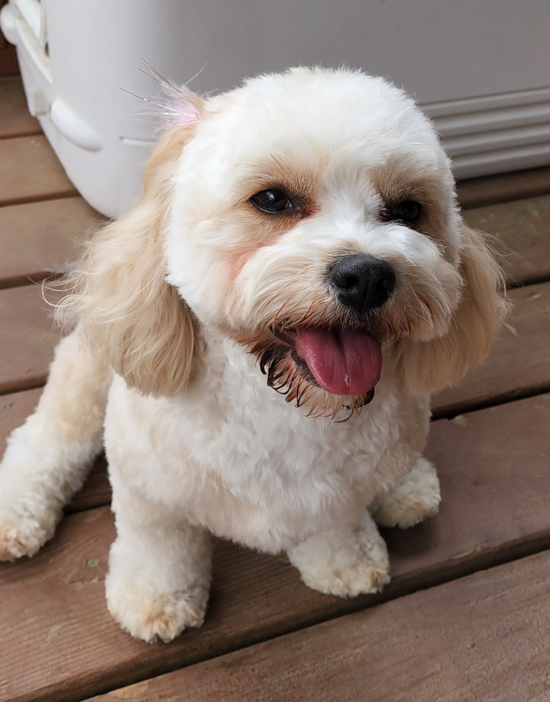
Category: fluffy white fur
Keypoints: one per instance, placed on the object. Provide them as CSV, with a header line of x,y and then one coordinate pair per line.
x,y
180,299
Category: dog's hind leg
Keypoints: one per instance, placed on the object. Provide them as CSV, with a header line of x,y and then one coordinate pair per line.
x,y
48,457
415,496
412,500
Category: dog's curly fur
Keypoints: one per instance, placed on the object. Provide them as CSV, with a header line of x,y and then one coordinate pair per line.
x,y
185,311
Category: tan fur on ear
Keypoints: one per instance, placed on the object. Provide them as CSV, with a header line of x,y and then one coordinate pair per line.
x,y
432,365
118,293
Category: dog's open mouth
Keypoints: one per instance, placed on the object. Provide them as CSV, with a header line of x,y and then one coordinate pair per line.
x,y
342,361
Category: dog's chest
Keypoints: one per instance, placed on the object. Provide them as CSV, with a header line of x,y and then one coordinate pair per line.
x,y
236,458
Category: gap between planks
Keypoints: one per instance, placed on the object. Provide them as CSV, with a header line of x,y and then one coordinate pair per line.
x,y
27,200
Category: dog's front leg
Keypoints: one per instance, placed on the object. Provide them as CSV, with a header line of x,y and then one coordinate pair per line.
x,y
159,569
346,561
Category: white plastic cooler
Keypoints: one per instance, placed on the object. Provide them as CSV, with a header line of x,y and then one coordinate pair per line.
x,y
75,57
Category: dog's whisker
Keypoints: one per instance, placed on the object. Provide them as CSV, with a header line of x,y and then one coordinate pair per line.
x,y
150,102
299,396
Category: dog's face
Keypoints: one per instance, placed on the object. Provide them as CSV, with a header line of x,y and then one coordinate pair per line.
x,y
314,221
311,216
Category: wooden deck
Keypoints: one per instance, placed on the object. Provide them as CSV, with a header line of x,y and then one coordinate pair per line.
x,y
467,614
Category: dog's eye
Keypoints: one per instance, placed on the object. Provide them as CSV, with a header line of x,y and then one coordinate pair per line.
x,y
407,212
273,202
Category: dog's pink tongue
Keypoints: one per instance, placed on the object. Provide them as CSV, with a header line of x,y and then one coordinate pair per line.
x,y
342,362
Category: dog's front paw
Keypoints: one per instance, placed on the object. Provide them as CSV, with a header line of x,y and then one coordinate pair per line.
x,y
412,500
159,580
22,533
155,616
344,562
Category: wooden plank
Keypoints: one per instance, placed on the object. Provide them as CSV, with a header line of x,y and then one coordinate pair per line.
x,y
28,340
504,187
496,490
15,119
14,409
29,170
39,239
522,230
480,639
28,350
519,364
96,491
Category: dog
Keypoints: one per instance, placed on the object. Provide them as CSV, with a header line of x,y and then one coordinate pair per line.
x,y
256,342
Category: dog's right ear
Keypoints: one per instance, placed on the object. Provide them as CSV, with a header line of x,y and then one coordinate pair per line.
x,y
119,295
427,366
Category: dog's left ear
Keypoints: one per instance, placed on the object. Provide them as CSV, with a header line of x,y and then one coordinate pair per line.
x,y
432,365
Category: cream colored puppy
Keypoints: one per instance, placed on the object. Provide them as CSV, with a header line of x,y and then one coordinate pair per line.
x,y
264,330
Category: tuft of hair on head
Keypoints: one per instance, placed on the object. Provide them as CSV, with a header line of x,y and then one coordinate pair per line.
x,y
178,106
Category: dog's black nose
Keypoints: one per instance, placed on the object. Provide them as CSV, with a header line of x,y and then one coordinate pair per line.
x,y
362,282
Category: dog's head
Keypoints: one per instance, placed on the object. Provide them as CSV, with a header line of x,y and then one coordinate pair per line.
x,y
311,217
